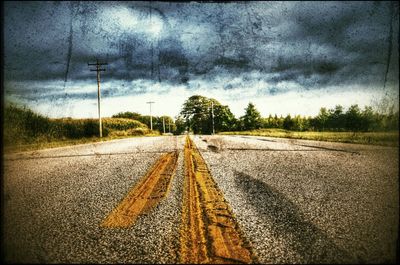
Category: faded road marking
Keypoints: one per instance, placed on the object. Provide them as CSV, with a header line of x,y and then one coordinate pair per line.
x,y
152,188
209,232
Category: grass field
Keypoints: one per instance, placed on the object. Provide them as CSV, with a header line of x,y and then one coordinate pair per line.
x,y
375,138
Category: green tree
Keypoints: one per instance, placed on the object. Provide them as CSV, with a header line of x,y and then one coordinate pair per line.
x,y
390,121
224,120
288,123
197,115
265,122
353,118
169,124
128,115
299,123
321,119
180,125
336,119
279,121
252,118
307,123
158,123
368,119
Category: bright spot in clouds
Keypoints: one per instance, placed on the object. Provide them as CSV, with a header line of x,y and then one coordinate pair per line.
x,y
155,27
132,21
125,18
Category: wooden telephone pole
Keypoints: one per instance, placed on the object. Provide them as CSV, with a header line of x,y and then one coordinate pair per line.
x,y
212,113
98,70
151,117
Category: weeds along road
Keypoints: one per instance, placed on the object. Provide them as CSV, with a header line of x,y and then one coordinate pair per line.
x,y
132,201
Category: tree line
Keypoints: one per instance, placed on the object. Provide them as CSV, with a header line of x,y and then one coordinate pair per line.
x,y
197,112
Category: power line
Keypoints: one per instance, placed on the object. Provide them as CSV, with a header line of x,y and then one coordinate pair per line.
x,y
98,70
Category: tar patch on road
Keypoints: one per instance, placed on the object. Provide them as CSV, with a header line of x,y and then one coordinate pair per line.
x,y
209,231
151,189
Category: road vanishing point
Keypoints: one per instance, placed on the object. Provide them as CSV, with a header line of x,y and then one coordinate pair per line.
x,y
202,199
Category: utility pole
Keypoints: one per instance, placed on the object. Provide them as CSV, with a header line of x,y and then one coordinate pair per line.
x,y
98,70
163,123
212,113
151,117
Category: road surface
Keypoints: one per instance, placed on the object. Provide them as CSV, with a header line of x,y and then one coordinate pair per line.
x,y
294,201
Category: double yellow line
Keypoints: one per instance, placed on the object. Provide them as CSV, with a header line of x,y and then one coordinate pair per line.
x,y
209,231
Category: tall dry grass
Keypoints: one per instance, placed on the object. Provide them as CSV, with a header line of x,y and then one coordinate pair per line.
x,y
23,126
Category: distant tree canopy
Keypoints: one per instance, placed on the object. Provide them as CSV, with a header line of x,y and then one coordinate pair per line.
x,y
251,119
197,113
354,119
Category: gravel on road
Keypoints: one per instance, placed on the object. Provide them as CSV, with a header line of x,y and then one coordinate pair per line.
x,y
309,204
296,201
54,206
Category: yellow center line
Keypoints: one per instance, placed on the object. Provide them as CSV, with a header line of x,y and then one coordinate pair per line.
x,y
147,193
209,231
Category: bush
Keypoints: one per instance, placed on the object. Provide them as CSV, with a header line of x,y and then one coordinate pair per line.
x,y
132,132
121,124
76,128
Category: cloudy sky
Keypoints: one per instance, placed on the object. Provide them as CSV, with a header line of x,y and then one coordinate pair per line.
x,y
285,57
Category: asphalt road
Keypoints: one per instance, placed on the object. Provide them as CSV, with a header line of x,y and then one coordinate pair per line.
x,y
296,201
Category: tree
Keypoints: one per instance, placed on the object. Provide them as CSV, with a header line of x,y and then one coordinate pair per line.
x,y
321,119
368,119
169,124
128,115
279,121
197,114
353,118
180,125
252,118
157,121
298,123
390,121
288,123
336,119
224,120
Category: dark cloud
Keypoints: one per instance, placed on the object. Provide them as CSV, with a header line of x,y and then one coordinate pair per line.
x,y
311,43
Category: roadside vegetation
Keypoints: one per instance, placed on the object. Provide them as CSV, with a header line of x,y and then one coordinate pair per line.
x,y
159,122
24,130
354,125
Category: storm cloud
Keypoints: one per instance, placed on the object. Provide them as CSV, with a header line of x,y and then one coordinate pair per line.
x,y
246,49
